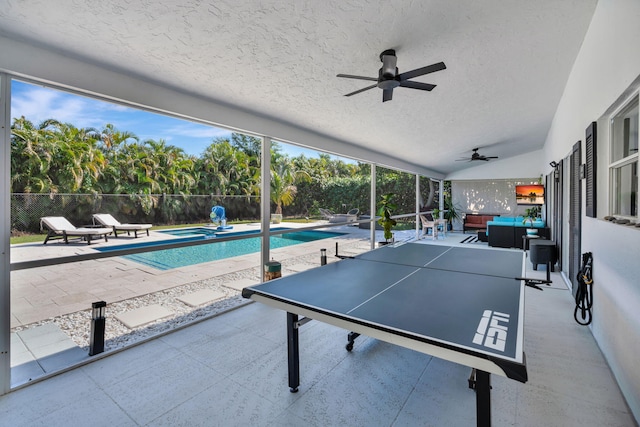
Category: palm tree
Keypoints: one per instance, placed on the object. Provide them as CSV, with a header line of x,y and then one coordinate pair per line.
x,y
227,170
112,138
31,157
174,169
284,176
77,164
118,174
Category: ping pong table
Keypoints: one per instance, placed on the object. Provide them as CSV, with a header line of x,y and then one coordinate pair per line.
x,y
464,305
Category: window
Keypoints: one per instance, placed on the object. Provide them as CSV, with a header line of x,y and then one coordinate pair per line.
x,y
623,166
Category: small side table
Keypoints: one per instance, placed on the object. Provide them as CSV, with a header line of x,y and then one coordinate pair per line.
x,y
543,252
440,229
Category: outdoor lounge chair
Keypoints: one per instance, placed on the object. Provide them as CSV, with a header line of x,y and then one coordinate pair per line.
x,y
109,221
350,216
60,228
326,213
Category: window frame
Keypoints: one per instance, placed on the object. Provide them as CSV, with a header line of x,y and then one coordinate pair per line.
x,y
617,165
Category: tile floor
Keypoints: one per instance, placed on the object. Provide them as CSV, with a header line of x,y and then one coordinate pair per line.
x,y
231,370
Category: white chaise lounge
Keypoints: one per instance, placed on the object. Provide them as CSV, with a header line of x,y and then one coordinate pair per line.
x,y
333,218
60,228
108,220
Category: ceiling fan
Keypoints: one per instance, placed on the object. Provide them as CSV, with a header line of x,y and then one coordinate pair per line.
x,y
477,156
389,79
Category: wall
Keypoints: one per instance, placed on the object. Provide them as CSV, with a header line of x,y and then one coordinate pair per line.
x,y
606,67
494,196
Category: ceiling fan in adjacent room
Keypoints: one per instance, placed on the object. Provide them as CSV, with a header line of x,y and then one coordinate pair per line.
x,y
477,156
389,79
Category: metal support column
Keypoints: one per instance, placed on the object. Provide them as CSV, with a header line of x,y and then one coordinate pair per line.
x,y
441,199
5,229
372,206
418,228
265,200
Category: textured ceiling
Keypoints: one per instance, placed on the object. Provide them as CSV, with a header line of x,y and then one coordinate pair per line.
x,y
507,62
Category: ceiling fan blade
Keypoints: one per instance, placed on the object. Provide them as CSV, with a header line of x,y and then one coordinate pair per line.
x,y
349,76
361,90
387,94
491,157
421,71
417,85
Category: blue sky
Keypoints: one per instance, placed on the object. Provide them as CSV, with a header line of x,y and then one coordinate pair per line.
x,y
38,103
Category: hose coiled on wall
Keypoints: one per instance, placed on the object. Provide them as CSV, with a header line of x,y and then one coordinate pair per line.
x,y
584,297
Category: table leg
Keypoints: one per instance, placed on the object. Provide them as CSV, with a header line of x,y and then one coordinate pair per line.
x,y
351,338
483,398
293,352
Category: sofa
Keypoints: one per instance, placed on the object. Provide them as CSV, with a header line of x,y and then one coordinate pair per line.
x,y
507,232
476,222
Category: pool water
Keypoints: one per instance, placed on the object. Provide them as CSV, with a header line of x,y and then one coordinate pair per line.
x,y
167,259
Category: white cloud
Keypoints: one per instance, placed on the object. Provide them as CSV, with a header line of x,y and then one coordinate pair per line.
x,y
195,130
38,104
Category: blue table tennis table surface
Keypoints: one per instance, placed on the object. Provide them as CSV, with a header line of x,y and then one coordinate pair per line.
x,y
462,304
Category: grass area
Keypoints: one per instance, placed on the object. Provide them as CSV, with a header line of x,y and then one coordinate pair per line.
x,y
28,238
39,237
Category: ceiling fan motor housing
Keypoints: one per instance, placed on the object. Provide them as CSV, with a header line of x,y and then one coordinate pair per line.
x,y
389,62
387,74
387,82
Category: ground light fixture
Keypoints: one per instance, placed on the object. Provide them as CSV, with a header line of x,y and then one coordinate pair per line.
x,y
98,312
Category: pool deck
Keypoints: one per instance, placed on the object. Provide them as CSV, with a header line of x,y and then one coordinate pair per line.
x,y
46,292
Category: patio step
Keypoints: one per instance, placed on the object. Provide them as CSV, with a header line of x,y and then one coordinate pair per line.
x,y
144,315
199,298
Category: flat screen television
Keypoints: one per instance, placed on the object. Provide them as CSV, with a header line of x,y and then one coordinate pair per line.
x,y
530,194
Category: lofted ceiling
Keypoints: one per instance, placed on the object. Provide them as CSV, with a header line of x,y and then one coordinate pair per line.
x,y
507,63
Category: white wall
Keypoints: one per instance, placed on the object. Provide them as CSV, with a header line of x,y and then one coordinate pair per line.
x,y
489,196
608,63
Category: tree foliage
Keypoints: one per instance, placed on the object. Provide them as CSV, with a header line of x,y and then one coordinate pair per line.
x,y
54,157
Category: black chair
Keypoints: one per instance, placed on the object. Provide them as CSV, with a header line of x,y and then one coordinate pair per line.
x,y
501,236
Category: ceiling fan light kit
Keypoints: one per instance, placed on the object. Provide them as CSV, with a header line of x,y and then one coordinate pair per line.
x,y
389,79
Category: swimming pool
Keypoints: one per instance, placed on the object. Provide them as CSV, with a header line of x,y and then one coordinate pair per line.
x,y
203,231
167,259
